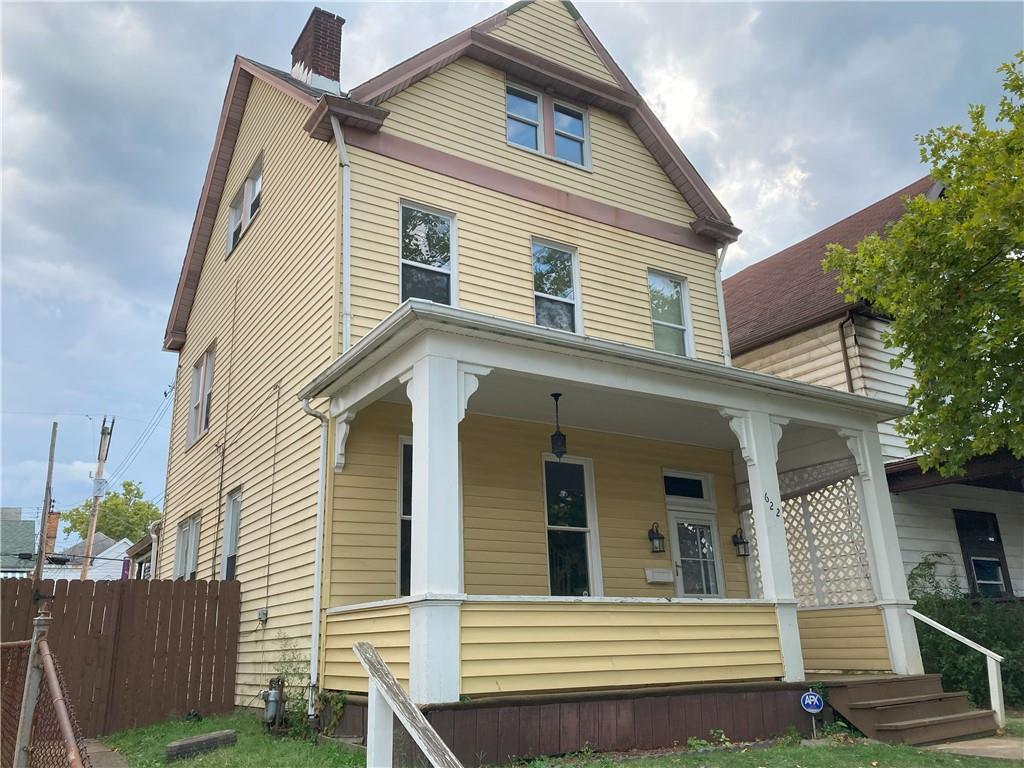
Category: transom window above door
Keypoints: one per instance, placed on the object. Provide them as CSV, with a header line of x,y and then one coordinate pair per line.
x,y
428,253
670,314
555,286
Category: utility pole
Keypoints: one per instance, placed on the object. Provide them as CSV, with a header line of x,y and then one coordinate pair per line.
x,y
47,503
98,490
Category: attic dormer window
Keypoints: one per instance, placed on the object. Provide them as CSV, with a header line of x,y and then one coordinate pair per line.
x,y
246,205
551,128
522,112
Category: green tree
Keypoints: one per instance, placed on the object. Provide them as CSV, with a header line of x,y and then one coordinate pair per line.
x,y
123,514
950,276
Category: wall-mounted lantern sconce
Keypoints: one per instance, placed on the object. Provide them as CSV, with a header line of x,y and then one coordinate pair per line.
x,y
557,438
740,542
657,539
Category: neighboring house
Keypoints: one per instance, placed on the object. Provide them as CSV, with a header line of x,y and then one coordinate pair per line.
x,y
141,555
17,537
381,292
108,560
787,319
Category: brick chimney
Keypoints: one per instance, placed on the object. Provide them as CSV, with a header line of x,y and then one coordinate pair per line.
x,y
316,55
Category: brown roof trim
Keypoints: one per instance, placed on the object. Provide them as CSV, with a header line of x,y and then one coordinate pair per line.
x,y
834,314
507,183
605,57
140,547
350,113
906,475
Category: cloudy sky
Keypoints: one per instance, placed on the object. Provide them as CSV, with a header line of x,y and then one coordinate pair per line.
x,y
796,114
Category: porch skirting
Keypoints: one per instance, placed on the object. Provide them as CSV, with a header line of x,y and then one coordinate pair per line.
x,y
496,730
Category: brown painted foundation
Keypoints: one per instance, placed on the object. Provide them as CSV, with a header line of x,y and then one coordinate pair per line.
x,y
497,730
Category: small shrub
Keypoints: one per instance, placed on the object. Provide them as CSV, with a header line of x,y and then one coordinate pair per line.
x,y
697,745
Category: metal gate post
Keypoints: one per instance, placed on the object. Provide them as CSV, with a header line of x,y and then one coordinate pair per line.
x,y
33,676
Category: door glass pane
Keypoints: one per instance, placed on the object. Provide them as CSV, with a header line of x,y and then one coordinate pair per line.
x,y
697,559
566,494
552,271
567,560
522,134
426,238
666,299
425,284
555,314
521,104
569,149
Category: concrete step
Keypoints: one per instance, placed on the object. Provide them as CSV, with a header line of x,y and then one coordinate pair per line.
x,y
931,730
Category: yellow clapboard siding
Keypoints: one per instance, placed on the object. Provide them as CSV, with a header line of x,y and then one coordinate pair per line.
x,y
546,28
517,647
844,639
387,628
268,309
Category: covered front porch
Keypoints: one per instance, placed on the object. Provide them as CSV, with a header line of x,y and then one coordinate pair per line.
x,y
481,564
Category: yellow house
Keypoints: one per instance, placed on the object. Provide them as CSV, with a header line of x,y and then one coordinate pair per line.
x,y
453,380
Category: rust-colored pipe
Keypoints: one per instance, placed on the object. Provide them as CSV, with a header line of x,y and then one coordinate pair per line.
x,y
63,719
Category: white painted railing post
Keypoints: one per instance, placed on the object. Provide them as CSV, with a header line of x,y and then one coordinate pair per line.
x,y
380,729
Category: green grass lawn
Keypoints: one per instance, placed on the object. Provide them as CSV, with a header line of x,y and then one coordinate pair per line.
x,y
144,748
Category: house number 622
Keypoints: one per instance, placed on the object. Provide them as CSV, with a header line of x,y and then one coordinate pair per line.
x,y
772,507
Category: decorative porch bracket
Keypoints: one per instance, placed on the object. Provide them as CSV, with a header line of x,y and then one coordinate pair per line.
x,y
758,434
342,426
882,541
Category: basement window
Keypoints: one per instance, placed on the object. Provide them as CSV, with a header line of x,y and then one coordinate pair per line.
x,y
246,205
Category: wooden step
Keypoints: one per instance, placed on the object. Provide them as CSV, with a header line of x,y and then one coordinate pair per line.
x,y
887,687
929,730
924,705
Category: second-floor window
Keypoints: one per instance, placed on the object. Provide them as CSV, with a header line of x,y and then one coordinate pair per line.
x,y
669,314
246,205
556,286
428,251
201,399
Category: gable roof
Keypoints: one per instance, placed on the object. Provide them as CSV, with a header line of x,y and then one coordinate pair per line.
x,y
789,291
361,109
17,536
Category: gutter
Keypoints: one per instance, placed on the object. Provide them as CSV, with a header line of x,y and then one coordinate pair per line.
x,y
318,555
346,230
722,320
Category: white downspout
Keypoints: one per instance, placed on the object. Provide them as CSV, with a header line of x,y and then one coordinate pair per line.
x,y
723,323
346,229
318,555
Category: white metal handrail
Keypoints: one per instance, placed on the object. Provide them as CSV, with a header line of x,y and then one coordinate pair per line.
x,y
993,660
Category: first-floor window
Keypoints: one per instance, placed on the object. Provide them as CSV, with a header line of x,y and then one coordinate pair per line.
x,y
984,557
186,550
405,519
555,286
232,512
428,250
571,559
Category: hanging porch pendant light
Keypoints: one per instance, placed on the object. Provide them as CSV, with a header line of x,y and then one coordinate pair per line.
x,y
557,437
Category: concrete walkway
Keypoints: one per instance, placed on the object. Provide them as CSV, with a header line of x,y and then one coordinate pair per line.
x,y
998,747
102,756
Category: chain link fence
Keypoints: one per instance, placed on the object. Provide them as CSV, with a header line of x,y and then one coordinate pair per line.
x,y
13,664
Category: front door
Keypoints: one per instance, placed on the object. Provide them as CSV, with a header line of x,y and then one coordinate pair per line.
x,y
695,554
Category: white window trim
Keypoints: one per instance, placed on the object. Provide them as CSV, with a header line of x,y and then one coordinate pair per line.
x,y
239,210
593,536
453,248
707,480
540,118
586,133
684,297
186,547
230,533
197,425
574,253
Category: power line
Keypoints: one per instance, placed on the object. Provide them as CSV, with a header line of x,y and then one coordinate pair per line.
x,y
136,449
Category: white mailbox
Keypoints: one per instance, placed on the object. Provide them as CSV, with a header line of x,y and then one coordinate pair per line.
x,y
659,575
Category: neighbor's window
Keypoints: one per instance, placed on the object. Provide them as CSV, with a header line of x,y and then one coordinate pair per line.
x,y
570,531
186,549
669,313
555,286
232,512
522,118
246,205
570,134
984,557
405,520
428,249
202,397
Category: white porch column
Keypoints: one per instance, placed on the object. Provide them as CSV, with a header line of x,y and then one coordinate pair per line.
x,y
758,434
883,547
438,388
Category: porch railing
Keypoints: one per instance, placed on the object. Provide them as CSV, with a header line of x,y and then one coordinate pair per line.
x,y
992,659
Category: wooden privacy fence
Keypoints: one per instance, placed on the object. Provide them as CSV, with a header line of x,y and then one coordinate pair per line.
x,y
134,652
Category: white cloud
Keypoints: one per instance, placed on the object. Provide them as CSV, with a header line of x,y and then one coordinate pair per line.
x,y
681,101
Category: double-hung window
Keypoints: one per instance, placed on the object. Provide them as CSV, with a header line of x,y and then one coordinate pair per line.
x,y
428,254
246,205
570,134
670,314
201,400
232,512
556,286
523,118
984,556
186,549
573,563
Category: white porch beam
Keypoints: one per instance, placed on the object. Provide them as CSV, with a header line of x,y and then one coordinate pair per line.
x,y
882,542
758,434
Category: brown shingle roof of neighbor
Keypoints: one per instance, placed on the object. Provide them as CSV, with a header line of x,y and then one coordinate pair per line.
x,y
789,291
